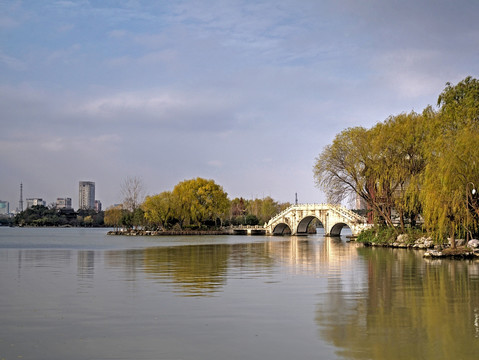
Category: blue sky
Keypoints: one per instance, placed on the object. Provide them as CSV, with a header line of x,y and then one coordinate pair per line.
x,y
243,92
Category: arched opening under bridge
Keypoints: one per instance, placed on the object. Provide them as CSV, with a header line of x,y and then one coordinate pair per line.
x,y
282,229
337,228
308,225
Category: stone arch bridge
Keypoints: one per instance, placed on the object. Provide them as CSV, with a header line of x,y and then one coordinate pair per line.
x,y
296,219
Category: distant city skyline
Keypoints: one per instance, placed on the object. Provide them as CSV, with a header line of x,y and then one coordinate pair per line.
x,y
246,93
86,200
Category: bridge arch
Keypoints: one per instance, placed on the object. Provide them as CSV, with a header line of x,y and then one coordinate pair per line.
x,y
282,229
336,229
304,224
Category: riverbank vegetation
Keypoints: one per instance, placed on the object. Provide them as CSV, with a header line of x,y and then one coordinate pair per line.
x,y
195,204
413,170
40,215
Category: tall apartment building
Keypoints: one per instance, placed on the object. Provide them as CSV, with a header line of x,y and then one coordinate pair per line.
x,y
4,207
86,197
64,203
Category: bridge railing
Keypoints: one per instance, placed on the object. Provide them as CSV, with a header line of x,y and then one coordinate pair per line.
x,y
348,214
289,208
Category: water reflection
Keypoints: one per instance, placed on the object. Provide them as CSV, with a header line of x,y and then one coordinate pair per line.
x,y
235,298
199,270
86,264
404,310
192,269
51,259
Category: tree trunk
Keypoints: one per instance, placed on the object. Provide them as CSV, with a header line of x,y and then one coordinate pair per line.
x,y
452,240
401,219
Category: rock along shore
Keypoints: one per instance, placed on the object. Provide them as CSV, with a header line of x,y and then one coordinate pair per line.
x,y
462,251
133,232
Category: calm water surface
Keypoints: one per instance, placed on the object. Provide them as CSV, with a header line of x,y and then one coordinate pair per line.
x,y
80,294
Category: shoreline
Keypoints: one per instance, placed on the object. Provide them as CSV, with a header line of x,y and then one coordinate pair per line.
x,y
166,233
434,251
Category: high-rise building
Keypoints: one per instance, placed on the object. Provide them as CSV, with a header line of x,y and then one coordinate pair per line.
x,y
86,197
97,205
20,203
64,203
4,207
35,202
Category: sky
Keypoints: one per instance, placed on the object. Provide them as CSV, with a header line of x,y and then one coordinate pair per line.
x,y
247,93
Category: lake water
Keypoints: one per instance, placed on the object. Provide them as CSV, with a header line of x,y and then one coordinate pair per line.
x,y
80,294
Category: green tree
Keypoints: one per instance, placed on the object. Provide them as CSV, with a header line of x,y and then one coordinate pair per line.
x,y
348,168
398,163
452,154
459,106
88,220
251,220
113,216
159,209
199,200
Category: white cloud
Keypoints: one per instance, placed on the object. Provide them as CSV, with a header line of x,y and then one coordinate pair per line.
x,y
117,34
410,72
64,28
188,111
12,62
158,57
7,22
56,144
69,54
215,163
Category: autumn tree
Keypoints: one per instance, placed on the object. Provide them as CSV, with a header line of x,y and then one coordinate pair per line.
x,y
413,164
199,200
264,209
159,209
452,161
113,216
347,168
398,161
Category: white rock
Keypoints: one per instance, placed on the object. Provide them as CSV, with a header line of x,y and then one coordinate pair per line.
x,y
403,238
432,253
428,243
420,240
473,243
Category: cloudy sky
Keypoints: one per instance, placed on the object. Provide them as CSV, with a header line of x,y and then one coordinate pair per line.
x,y
243,92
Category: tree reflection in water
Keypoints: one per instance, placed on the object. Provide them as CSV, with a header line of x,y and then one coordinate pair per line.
x,y
194,270
410,309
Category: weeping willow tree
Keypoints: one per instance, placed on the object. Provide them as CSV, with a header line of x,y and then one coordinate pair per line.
x,y
345,168
452,162
400,161
413,164
449,171
381,165
341,168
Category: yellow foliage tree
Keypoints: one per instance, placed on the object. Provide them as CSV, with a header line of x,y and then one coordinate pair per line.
x,y
198,200
113,216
